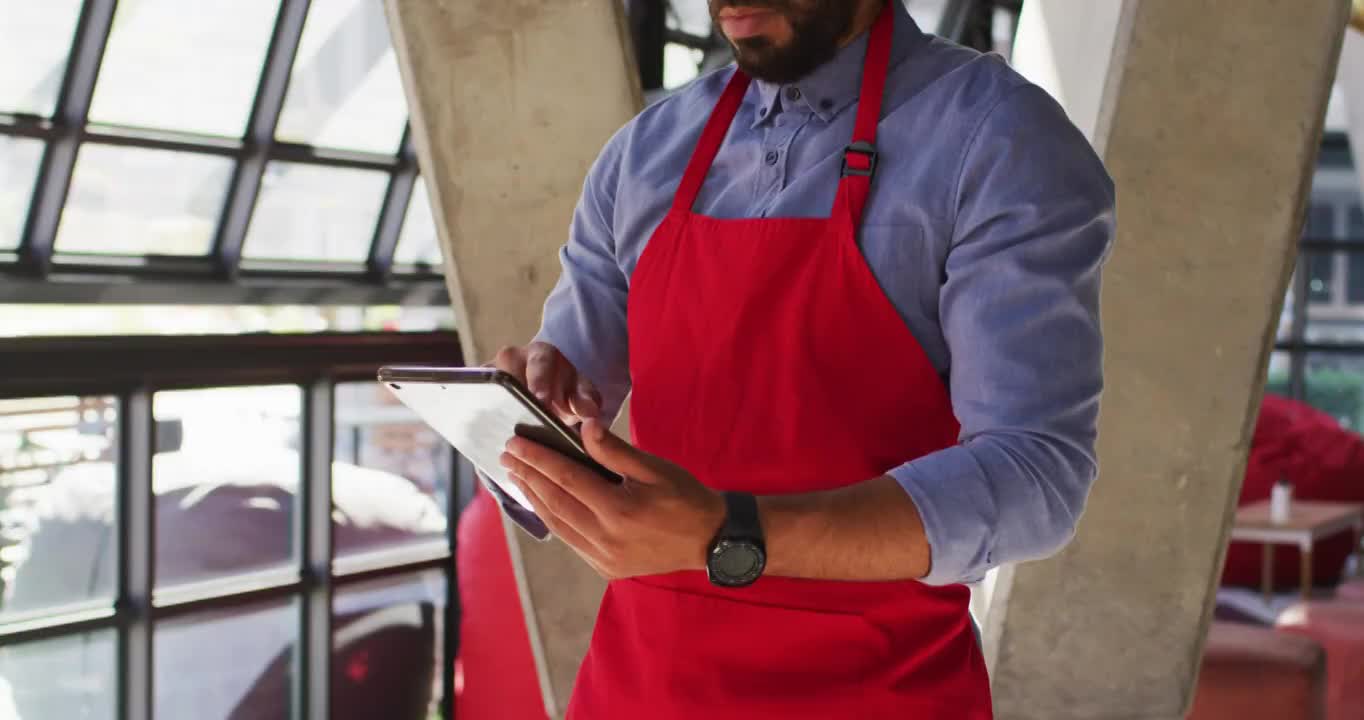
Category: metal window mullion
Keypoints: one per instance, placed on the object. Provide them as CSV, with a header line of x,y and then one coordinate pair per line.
x,y
136,533
313,532
59,158
1297,372
396,199
649,28
260,136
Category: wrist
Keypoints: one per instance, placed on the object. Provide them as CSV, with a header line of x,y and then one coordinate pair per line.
x,y
711,521
786,520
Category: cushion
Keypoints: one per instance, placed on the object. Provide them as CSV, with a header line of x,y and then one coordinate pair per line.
x,y
1339,628
1252,673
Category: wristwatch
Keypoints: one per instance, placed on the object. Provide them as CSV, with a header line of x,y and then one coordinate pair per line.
x,y
738,554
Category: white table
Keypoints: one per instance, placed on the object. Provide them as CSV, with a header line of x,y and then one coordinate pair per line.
x,y
1308,522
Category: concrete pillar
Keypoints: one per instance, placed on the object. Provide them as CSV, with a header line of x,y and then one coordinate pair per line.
x,y
1208,115
511,101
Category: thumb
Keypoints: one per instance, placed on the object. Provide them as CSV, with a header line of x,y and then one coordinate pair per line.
x,y
616,454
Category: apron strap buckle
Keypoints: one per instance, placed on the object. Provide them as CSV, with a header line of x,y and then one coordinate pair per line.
x,y
865,149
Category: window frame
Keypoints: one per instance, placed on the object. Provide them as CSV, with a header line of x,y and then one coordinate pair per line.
x,y
33,273
132,370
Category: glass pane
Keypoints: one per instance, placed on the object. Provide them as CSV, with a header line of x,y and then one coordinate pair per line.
x,y
1285,329
418,242
69,677
345,90
1354,278
927,13
225,474
226,664
1321,222
681,65
386,639
19,159
1335,385
391,473
134,201
35,41
1278,379
1321,276
689,16
58,459
183,66
310,212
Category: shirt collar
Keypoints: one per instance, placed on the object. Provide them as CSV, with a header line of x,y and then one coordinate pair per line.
x,y
835,85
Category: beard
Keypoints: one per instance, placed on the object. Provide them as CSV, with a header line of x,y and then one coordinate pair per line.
x,y
817,30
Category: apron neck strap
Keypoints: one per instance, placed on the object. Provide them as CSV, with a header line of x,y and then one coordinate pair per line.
x,y
711,138
859,158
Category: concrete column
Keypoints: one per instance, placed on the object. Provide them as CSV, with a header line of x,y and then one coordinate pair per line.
x,y
1208,115
511,101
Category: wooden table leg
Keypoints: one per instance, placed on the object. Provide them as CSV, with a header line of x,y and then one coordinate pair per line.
x,y
1306,561
1267,571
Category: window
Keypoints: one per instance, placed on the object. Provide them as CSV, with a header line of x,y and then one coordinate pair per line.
x,y
418,245
391,474
345,91
308,212
229,663
1320,277
1318,356
386,640
1354,268
135,201
35,40
65,677
57,466
225,476
214,469
19,160
190,68
251,151
1320,266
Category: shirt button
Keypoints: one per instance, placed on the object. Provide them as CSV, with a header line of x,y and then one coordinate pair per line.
x,y
826,104
771,157
793,94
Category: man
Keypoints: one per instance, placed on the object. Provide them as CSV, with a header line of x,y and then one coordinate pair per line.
x,y
856,302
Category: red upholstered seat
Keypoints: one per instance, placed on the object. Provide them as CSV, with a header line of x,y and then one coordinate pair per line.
x,y
1351,591
498,671
1339,628
1256,673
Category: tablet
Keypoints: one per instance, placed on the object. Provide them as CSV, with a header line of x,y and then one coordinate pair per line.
x,y
477,410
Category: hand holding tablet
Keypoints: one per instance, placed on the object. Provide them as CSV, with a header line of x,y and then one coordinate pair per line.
x,y
477,410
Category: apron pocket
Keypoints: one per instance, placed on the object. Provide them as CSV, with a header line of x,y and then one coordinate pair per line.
x,y
714,648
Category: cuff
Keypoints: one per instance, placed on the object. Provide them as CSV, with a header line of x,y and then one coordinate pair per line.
x,y
952,495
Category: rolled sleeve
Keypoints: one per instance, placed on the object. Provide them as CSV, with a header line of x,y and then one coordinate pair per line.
x,y
1019,309
584,315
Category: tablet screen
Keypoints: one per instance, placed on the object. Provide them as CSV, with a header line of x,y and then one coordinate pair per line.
x,y
477,419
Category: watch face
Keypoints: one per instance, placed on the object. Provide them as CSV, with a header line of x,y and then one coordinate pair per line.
x,y
736,562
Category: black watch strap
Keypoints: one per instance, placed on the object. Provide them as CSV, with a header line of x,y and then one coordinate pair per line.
x,y
741,517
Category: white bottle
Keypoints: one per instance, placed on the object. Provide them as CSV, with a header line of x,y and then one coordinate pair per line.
x,y
1280,502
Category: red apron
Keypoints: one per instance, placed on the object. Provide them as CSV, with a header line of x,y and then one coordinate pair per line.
x,y
765,358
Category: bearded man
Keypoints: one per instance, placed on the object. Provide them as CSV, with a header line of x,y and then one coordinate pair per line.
x,y
852,283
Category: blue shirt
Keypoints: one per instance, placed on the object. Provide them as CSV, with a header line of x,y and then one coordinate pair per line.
x,y
989,219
